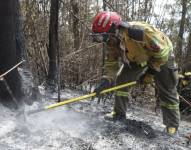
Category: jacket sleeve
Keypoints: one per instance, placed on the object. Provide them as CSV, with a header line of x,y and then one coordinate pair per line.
x,y
111,66
158,46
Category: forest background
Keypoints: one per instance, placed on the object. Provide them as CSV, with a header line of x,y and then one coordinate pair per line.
x,y
81,59
54,37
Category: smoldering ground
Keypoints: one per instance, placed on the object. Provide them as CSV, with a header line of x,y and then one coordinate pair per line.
x,y
81,126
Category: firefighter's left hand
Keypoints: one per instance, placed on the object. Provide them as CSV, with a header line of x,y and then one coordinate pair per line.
x,y
104,84
146,78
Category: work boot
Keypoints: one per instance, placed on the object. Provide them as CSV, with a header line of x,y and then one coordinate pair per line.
x,y
171,131
113,116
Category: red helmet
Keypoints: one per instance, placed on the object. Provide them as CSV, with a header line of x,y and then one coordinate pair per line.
x,y
104,20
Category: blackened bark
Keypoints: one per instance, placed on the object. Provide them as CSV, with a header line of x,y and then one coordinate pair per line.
x,y
53,42
20,39
8,51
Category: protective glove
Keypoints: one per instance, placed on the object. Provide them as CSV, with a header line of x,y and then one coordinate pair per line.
x,y
104,84
148,76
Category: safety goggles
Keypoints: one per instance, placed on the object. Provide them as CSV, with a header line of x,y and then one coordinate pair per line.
x,y
100,37
104,37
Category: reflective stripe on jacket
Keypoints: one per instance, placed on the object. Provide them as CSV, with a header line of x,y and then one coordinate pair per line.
x,y
122,93
142,43
169,106
154,47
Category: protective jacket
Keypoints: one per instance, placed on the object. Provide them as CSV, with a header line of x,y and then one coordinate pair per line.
x,y
141,46
140,43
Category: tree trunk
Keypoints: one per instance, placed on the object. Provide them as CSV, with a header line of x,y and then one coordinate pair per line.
x,y
20,40
188,50
181,29
76,33
8,57
104,5
133,10
53,43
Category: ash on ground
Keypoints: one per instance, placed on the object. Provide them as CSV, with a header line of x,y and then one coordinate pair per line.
x,y
81,126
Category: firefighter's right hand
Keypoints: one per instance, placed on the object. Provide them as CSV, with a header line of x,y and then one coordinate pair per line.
x,y
146,78
104,84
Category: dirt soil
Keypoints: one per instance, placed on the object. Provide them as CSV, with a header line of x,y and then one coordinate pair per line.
x,y
81,126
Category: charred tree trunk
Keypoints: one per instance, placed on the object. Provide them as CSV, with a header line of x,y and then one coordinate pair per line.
x,y
20,40
53,43
8,57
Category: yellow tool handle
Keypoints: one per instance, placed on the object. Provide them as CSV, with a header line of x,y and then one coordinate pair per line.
x,y
90,95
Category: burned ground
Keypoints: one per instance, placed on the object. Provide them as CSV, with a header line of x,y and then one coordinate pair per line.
x,y
81,126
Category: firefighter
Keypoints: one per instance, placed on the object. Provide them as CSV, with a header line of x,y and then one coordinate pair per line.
x,y
146,55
